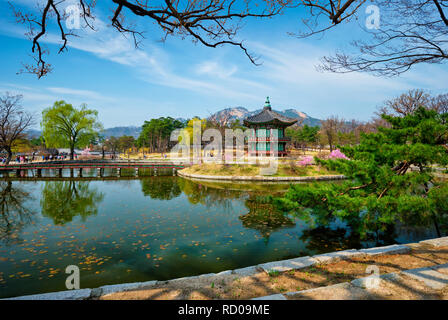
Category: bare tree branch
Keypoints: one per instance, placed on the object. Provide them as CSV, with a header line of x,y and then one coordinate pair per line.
x,y
411,32
210,22
13,122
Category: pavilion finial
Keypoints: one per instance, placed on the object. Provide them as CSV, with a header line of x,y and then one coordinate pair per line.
x,y
267,103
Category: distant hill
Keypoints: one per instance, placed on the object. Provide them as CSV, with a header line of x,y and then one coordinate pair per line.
x,y
122,131
109,132
33,133
229,115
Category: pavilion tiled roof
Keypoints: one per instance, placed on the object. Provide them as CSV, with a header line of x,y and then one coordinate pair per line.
x,y
269,116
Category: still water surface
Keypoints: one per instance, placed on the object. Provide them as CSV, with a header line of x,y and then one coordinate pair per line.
x,y
152,228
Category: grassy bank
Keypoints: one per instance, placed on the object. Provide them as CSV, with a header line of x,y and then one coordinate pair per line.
x,y
284,170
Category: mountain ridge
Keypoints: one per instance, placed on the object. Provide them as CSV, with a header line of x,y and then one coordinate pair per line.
x,y
228,115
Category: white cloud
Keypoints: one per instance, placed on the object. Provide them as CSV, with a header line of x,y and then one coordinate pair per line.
x,y
298,64
215,69
29,93
86,94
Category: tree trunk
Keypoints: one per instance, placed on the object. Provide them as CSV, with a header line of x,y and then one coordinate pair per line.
x,y
8,158
72,151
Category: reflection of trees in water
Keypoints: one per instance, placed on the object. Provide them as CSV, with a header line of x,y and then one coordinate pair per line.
x,y
326,239
416,231
321,237
264,217
13,214
197,192
63,200
162,188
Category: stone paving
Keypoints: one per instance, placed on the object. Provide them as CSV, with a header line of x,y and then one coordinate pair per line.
x,y
422,283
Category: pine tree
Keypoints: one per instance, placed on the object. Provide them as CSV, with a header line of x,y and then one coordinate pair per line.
x,y
390,177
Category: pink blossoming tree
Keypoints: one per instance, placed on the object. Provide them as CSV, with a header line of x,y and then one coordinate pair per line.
x,y
306,161
337,154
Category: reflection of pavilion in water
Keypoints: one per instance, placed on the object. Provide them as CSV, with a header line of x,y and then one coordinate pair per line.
x,y
264,217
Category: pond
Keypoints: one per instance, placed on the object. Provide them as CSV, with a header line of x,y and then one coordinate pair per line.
x,y
129,230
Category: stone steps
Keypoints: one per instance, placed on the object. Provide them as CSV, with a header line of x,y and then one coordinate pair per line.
x,y
420,283
303,262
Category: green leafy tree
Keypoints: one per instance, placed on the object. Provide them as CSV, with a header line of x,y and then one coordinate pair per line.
x,y
190,126
36,142
390,178
155,133
236,124
125,143
64,126
303,137
308,136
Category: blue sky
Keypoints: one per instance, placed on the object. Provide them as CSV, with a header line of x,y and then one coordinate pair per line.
x,y
180,79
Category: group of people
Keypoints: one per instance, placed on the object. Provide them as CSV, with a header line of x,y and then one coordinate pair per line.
x,y
21,159
24,159
56,157
18,159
